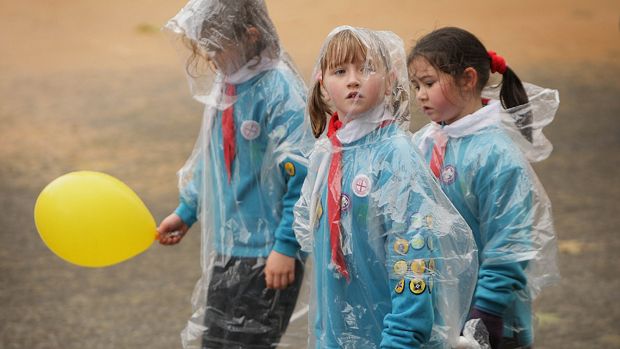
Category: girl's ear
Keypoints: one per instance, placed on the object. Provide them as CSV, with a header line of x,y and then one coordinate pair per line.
x,y
470,79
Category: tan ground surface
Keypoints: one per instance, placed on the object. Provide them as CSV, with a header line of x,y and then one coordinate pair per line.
x,y
95,85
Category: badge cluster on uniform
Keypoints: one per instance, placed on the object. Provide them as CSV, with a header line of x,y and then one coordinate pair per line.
x,y
420,270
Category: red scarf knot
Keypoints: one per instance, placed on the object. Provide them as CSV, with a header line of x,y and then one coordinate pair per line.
x,y
438,154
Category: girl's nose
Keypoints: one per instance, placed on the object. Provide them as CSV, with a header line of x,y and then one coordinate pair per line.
x,y
421,94
353,80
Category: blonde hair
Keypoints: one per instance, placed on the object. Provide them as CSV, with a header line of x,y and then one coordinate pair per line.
x,y
347,46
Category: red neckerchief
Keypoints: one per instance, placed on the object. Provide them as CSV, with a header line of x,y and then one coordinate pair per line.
x,y
334,195
439,150
228,132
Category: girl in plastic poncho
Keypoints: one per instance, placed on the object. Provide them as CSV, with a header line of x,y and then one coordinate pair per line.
x,y
479,151
243,177
395,264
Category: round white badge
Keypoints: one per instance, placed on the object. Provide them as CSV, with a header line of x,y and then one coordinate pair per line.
x,y
361,185
448,174
250,129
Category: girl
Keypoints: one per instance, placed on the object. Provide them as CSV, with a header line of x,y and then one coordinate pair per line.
x,y
479,151
244,176
385,240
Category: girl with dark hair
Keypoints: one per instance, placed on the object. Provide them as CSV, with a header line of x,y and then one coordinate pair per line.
x,y
479,148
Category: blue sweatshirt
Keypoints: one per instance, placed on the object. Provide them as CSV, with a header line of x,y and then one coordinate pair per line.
x,y
253,213
491,184
390,209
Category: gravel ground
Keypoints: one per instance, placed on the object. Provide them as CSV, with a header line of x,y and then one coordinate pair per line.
x,y
137,123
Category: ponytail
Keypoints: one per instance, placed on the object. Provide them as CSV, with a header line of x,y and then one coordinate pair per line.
x,y
318,110
512,94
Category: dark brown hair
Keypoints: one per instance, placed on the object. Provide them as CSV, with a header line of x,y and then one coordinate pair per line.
x,y
451,50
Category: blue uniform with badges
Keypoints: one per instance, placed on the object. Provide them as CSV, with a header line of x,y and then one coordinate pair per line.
x,y
389,218
253,213
492,185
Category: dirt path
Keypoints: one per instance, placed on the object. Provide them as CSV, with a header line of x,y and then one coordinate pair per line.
x,y
95,85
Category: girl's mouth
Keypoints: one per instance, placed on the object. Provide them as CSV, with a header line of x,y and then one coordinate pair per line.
x,y
354,95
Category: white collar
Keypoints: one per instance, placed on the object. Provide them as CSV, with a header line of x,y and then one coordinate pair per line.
x,y
363,124
469,124
252,68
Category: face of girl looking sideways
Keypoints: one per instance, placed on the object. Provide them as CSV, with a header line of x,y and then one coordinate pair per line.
x,y
436,92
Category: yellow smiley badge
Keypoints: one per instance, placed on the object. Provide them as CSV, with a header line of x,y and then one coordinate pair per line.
x,y
400,286
289,168
418,266
401,246
400,268
417,286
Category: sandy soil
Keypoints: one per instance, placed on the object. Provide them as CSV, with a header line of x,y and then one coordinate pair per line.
x,y
95,85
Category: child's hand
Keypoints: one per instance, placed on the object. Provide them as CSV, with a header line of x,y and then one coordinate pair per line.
x,y
279,271
171,230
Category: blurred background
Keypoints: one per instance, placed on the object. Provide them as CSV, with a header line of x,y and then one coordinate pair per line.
x,y
95,85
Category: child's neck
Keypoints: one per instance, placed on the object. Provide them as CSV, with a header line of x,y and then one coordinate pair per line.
x,y
470,106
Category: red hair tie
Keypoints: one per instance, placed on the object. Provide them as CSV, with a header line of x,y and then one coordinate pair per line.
x,y
498,63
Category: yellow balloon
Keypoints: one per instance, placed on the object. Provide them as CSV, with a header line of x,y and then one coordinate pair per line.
x,y
93,220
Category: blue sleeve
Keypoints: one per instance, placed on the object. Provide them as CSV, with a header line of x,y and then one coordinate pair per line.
x,y
505,214
186,212
410,254
294,172
410,322
286,115
188,195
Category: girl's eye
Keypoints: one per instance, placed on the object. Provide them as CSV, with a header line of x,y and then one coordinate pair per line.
x,y
429,83
338,71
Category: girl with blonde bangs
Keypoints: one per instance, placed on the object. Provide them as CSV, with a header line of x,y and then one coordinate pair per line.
x,y
383,237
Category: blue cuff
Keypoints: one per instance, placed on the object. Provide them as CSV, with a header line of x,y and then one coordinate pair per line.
x,y
286,248
187,214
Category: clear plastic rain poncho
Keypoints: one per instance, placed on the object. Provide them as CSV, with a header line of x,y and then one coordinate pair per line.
x,y
487,176
394,263
244,175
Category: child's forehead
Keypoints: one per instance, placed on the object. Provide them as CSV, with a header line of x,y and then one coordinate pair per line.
x,y
420,66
